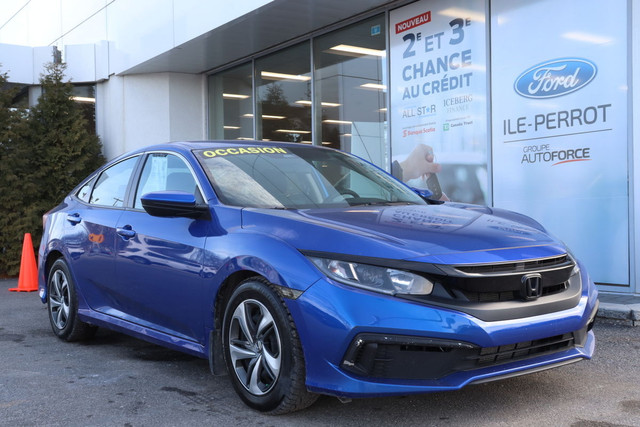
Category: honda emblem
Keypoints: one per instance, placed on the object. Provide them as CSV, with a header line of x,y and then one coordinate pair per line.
x,y
531,286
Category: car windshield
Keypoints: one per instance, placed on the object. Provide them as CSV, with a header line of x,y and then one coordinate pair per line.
x,y
298,178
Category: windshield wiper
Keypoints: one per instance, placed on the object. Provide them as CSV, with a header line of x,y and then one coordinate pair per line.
x,y
383,203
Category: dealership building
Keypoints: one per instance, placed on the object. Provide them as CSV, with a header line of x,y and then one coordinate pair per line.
x,y
524,104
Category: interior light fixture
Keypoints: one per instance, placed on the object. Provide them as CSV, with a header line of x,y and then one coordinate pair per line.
x,y
83,99
293,131
244,138
337,122
383,110
324,104
266,116
231,127
282,76
374,86
457,12
587,37
323,142
234,96
349,50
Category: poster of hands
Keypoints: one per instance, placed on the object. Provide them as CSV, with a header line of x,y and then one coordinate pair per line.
x,y
438,98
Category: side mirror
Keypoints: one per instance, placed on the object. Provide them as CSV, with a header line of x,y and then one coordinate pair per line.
x,y
427,195
174,204
423,192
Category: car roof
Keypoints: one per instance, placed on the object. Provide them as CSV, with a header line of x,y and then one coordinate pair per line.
x,y
226,143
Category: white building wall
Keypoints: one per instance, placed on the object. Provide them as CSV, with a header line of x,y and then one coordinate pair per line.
x,y
81,63
17,62
100,40
109,116
138,110
136,30
187,107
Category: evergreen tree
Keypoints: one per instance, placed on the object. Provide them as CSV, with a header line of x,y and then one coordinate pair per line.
x,y
12,130
57,152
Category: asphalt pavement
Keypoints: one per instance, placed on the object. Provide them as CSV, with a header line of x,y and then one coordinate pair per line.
x,y
115,380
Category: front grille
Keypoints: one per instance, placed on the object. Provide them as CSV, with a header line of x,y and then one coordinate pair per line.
x,y
510,295
519,266
521,350
404,357
494,291
491,296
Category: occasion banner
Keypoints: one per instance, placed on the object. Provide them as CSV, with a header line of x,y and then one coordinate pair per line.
x,y
559,123
438,97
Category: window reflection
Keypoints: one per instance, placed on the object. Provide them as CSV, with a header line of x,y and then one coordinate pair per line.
x,y
85,96
231,104
283,82
349,102
350,89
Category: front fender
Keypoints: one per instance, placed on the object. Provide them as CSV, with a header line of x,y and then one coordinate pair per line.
x,y
267,256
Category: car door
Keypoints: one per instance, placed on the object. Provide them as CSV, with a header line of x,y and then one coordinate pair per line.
x,y
90,232
159,260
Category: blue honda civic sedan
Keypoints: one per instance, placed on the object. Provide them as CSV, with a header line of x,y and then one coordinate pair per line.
x,y
300,271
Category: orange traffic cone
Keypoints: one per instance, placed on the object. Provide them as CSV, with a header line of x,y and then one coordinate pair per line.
x,y
28,279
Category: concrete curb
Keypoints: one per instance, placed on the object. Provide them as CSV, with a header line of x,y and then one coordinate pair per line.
x,y
616,311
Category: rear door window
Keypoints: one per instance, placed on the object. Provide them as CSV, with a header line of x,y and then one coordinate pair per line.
x,y
111,187
85,191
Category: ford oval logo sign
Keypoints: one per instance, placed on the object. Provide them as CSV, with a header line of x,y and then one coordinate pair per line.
x,y
555,78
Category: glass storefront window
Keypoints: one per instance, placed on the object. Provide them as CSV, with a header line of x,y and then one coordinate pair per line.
x,y
349,99
85,96
231,104
19,93
283,90
350,90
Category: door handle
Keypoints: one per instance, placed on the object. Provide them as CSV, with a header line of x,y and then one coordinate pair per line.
x,y
74,218
126,232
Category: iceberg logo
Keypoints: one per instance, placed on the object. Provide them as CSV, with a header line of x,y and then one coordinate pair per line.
x,y
555,78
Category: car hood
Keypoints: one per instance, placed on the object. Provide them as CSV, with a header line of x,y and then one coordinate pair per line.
x,y
448,233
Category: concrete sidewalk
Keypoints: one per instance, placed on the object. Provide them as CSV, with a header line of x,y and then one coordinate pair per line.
x,y
619,307
612,306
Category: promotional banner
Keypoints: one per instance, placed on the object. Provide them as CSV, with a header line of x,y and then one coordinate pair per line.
x,y
439,98
559,124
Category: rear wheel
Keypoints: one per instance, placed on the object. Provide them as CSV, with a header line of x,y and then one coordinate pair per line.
x,y
63,305
262,350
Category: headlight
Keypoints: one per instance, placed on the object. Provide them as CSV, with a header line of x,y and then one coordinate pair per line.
x,y
373,278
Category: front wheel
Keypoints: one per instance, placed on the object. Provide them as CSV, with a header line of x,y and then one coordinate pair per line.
x,y
63,305
262,350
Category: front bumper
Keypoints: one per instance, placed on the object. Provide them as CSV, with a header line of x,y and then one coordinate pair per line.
x,y
427,348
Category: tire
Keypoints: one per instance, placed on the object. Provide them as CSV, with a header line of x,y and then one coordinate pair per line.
x,y
62,304
262,350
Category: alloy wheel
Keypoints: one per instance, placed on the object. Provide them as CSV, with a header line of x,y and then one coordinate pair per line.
x,y
255,347
59,298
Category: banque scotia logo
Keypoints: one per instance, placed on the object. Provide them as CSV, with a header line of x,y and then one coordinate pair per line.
x,y
555,78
